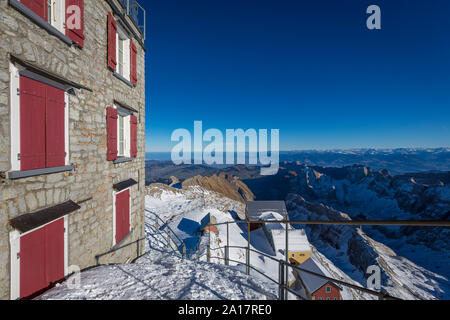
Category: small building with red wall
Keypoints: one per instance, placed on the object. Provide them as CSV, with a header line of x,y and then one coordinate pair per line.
x,y
317,288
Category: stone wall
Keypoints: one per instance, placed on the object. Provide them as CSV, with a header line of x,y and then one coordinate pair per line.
x,y
91,227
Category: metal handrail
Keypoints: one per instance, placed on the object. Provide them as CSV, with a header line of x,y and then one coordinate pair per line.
x,y
290,265
287,264
168,232
283,287
416,223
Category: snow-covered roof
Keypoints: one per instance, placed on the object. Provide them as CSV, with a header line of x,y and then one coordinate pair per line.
x,y
255,209
297,240
312,282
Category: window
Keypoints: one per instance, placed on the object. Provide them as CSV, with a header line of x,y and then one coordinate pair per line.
x,y
39,122
121,134
122,52
328,289
320,298
54,16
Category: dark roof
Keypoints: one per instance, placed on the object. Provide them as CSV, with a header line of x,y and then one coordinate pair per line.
x,y
30,221
124,184
312,282
256,208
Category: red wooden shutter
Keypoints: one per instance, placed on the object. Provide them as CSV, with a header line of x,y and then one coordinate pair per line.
x,y
54,251
111,123
37,6
133,131
32,124
55,125
32,263
133,56
122,215
41,258
76,35
112,32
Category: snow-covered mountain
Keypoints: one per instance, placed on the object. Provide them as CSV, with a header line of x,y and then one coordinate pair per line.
x,y
368,195
353,251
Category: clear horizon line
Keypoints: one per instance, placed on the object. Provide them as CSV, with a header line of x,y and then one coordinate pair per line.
x,y
339,149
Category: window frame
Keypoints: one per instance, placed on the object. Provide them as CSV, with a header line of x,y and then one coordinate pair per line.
x,y
123,38
15,120
328,289
126,116
57,16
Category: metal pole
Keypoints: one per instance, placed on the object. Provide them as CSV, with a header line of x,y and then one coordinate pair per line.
x,y
227,255
281,280
248,246
228,235
208,253
227,249
247,263
286,274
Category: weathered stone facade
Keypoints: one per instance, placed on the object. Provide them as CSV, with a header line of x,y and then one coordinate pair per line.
x,y
90,228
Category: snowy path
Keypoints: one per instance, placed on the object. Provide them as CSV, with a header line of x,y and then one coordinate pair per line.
x,y
162,274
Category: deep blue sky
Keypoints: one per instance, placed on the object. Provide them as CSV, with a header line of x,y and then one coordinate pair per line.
x,y
309,68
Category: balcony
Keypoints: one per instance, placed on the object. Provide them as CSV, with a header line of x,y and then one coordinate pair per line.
x,y
136,13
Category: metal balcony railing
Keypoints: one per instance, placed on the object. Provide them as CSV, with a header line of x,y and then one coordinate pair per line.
x,y
284,265
171,238
136,13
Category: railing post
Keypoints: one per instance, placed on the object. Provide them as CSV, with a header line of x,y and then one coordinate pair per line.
x,y
247,263
286,272
228,235
184,251
208,253
227,255
281,280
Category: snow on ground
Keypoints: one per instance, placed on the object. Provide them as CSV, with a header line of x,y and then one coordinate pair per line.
x,y
160,275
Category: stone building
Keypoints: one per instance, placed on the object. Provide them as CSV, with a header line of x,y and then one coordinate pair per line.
x,y
72,119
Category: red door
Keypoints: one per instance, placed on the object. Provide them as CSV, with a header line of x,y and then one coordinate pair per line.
x,y
41,258
122,215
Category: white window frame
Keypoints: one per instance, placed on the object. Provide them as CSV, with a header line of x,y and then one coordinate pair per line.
x,y
14,240
115,193
126,63
126,114
15,120
58,14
